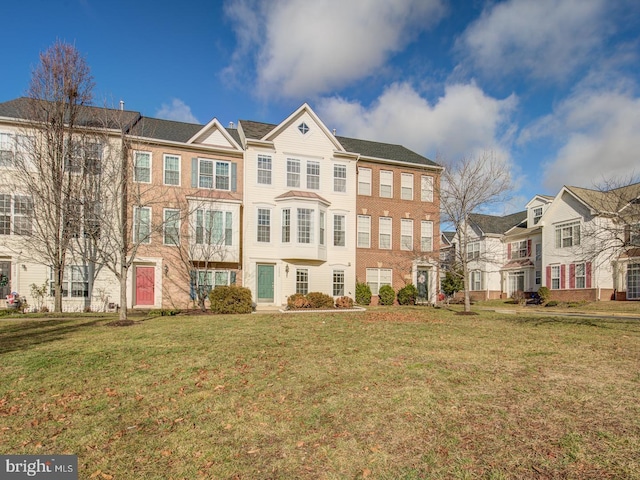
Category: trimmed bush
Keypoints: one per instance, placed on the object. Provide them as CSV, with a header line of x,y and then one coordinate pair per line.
x,y
344,302
298,301
407,295
387,295
230,299
544,294
320,300
363,294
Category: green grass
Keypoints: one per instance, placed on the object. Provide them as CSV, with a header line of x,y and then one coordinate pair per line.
x,y
389,393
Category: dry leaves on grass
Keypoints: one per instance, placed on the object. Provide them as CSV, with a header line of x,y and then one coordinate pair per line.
x,y
400,317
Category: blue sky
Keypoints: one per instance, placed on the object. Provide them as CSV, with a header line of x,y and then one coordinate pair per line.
x,y
552,87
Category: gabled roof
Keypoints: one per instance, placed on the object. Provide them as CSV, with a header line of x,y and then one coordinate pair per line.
x,y
169,130
609,201
448,237
492,224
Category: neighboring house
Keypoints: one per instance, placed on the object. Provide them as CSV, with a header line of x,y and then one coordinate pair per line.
x,y
447,250
485,252
590,244
522,271
398,218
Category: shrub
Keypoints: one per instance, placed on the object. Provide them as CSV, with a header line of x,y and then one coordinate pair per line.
x,y
407,295
519,297
230,299
552,303
344,302
544,294
387,295
320,300
363,294
297,301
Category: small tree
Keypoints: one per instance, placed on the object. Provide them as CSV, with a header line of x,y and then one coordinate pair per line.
x,y
363,294
452,283
407,295
387,295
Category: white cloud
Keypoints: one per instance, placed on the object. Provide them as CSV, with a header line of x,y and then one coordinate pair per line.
x,y
599,138
544,39
303,48
177,110
463,122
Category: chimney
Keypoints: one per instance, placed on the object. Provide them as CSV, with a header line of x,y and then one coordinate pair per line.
x,y
122,105
334,132
232,125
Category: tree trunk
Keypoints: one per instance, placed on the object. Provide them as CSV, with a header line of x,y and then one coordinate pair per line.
x,y
123,292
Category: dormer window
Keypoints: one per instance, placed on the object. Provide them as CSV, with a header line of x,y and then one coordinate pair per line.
x,y
303,127
537,215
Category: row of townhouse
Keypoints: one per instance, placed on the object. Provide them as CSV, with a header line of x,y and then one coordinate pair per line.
x,y
582,244
279,209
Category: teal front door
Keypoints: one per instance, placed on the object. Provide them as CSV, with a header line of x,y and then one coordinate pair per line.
x,y
265,283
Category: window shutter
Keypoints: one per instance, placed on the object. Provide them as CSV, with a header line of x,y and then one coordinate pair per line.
x,y
234,176
232,278
508,251
588,274
627,234
572,275
194,173
548,283
529,248
563,276
558,237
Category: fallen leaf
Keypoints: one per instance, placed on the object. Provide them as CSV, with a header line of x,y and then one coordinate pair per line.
x,y
366,472
300,444
95,474
166,453
255,450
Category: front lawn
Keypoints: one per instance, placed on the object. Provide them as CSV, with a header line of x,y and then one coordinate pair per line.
x,y
388,393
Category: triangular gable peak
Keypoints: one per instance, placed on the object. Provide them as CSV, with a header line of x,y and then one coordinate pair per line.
x,y
215,135
302,115
539,200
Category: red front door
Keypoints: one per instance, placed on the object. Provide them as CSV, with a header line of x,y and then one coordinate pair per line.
x,y
144,285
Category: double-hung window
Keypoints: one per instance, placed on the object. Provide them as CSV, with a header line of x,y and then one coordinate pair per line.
x,y
75,281
214,174
406,234
426,236
581,278
313,175
377,277
5,214
6,150
302,281
264,225
473,250
476,280
171,224
519,249
568,235
142,224
339,230
426,188
214,227
537,215
293,173
364,181
171,170
364,231
264,169
322,227
286,225
406,188
384,233
338,283
555,277
386,183
340,178
305,225
142,167
22,214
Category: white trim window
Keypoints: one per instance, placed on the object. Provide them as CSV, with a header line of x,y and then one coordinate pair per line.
x,y
313,175
22,214
214,227
142,167
384,233
406,187
264,225
142,224
5,214
171,226
538,252
302,281
305,225
537,215
338,283
568,235
538,277
209,279
7,150
519,249
475,280
473,250
364,181
426,188
633,281
406,234
581,275
426,236
339,230
555,277
171,174
364,231
286,225
377,277
386,183
214,174
340,178
293,173
75,281
322,227
264,169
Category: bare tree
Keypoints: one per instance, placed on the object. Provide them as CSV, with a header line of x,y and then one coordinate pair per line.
x,y
53,151
471,185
